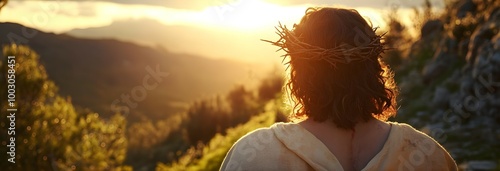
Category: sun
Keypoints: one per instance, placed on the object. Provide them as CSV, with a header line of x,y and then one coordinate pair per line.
x,y
250,14
259,14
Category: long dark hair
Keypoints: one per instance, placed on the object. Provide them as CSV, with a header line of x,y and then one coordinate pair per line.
x,y
345,93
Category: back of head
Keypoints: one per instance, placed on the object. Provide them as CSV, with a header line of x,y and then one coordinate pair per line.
x,y
335,69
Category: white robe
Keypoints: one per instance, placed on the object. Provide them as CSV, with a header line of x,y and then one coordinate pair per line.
x,y
288,146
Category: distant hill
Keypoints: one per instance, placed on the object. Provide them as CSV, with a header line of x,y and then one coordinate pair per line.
x,y
210,42
96,72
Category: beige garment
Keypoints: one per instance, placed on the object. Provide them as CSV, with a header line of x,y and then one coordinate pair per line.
x,y
288,146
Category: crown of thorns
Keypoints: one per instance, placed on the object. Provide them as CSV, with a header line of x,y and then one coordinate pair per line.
x,y
343,53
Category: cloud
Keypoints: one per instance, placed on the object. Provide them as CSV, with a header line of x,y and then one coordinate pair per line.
x,y
68,15
61,16
54,16
178,4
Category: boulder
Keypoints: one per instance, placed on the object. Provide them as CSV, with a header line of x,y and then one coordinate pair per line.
x,y
430,27
481,36
442,60
440,98
464,7
481,165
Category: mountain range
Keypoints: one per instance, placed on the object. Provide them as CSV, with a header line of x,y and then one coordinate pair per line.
x,y
210,42
100,74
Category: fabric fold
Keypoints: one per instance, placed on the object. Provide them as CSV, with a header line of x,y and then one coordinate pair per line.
x,y
289,146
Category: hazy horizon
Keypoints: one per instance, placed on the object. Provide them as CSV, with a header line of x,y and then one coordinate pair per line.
x,y
215,29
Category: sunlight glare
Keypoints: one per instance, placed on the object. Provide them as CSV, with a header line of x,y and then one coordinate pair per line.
x,y
250,14
373,16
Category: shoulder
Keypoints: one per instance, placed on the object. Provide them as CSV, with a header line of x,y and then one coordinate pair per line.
x,y
418,150
268,135
258,137
409,131
412,137
249,150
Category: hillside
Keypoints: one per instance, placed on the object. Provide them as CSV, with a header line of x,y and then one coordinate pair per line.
x,y
97,72
450,82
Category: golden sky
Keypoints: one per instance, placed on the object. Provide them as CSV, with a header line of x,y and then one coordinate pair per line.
x,y
61,16
243,21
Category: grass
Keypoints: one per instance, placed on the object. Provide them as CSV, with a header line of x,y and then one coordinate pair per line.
x,y
211,155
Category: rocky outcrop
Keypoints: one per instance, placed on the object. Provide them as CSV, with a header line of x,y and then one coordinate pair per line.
x,y
454,95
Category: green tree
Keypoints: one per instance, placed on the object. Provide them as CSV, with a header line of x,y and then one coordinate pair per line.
x,y
242,104
100,145
205,119
152,141
270,87
49,134
211,155
43,122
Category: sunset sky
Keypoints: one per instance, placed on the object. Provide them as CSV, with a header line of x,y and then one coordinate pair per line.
x,y
242,17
